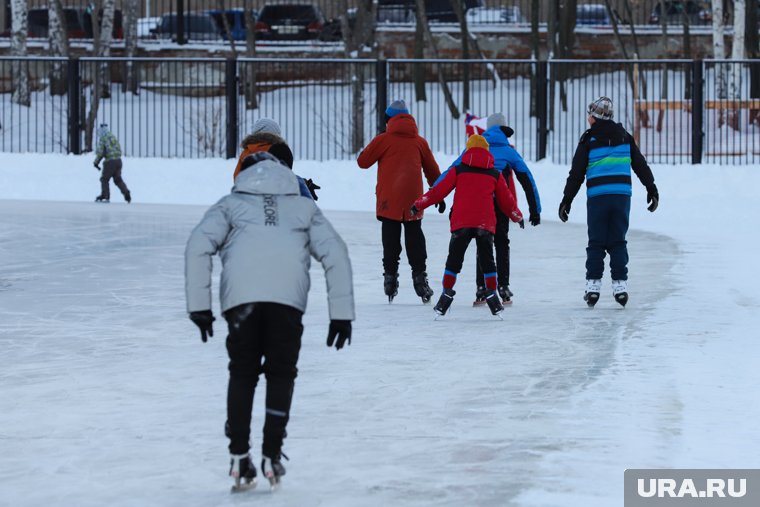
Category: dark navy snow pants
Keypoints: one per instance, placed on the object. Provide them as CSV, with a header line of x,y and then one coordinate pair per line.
x,y
607,227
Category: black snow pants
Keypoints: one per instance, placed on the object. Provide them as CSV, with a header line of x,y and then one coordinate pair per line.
x,y
263,338
112,169
414,239
460,240
501,242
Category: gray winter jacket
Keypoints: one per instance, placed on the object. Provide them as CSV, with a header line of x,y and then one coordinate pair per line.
x,y
266,234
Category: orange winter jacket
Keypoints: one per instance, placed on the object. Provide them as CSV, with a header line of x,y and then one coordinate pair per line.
x,y
254,143
400,152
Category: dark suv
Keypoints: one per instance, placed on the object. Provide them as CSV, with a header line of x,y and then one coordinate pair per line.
x,y
402,11
699,13
289,22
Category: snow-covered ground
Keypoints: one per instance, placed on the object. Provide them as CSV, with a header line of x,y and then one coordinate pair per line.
x,y
110,398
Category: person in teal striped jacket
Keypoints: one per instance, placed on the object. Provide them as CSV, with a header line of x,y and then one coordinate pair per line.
x,y
604,158
108,148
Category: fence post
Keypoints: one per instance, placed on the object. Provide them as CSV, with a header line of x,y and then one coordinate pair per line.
x,y
381,80
231,89
697,110
74,126
181,22
542,117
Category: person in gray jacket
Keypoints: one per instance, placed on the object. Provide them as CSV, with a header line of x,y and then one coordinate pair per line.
x,y
266,234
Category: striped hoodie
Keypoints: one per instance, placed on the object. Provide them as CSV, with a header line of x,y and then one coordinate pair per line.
x,y
604,158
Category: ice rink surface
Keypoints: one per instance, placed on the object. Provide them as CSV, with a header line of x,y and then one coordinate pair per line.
x,y
110,398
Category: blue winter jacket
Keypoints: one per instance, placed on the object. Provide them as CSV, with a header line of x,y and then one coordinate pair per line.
x,y
507,159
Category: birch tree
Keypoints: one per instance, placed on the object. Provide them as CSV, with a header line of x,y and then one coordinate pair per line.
x,y
458,7
130,44
59,46
737,53
102,34
719,53
18,48
104,50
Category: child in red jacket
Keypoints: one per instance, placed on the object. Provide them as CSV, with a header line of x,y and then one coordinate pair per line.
x,y
472,216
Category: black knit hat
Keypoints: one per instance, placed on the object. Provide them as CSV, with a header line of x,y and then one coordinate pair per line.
x,y
255,158
283,153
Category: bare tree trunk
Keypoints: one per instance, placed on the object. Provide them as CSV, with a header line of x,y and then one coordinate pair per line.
x,y
92,114
418,71
752,48
106,34
737,53
227,29
251,99
687,50
535,55
719,53
130,42
640,78
358,40
59,46
422,16
566,42
459,9
18,48
664,76
555,70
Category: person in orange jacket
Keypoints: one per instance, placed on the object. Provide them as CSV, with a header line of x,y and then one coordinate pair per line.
x,y
400,152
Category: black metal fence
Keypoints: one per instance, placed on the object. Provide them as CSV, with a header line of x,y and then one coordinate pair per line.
x,y
679,111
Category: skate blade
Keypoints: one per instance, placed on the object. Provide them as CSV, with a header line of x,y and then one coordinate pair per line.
x,y
243,486
274,484
498,315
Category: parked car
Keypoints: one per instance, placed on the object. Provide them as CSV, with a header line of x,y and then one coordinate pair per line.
x,y
333,30
510,14
235,19
593,15
198,27
78,23
403,11
698,13
290,22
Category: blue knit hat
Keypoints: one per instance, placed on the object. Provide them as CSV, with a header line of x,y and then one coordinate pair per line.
x,y
396,107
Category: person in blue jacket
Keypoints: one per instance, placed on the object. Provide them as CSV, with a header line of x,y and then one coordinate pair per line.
x,y
604,158
509,162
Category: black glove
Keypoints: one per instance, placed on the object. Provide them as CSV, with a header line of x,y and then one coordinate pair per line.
x,y
564,210
534,219
203,320
96,166
441,206
653,198
414,210
521,223
312,187
341,329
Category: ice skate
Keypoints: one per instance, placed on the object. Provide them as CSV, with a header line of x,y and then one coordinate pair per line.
x,y
480,296
390,284
128,197
593,287
421,287
444,302
243,472
100,198
620,291
505,294
494,304
273,470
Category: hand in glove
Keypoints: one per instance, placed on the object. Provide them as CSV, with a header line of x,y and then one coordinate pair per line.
x,y
653,198
96,166
203,320
312,188
340,329
534,219
441,206
564,210
414,211
521,223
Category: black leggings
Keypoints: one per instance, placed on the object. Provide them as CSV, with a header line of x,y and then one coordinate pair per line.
x,y
460,240
261,331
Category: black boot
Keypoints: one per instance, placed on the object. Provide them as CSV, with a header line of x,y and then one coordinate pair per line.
x,y
480,296
505,294
100,198
421,287
444,302
128,197
494,304
390,283
272,469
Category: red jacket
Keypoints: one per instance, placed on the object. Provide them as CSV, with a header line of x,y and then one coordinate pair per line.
x,y
400,153
476,182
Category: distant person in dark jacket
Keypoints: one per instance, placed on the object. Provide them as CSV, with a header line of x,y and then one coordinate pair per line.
x,y
108,148
401,153
604,157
